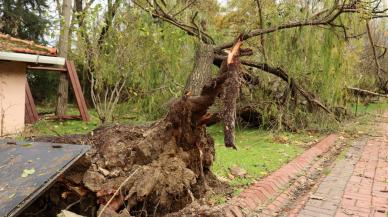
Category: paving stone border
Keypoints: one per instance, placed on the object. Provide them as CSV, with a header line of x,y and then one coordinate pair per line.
x,y
268,191
327,198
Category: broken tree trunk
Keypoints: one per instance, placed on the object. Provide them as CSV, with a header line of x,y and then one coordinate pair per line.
x,y
155,169
231,93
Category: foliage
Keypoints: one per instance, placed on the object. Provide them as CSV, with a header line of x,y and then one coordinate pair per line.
x,y
26,19
323,60
151,59
140,54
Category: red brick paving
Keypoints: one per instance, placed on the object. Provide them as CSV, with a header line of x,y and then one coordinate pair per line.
x,y
327,197
268,190
357,186
366,192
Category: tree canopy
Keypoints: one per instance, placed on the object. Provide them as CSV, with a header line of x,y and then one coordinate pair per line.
x,y
26,19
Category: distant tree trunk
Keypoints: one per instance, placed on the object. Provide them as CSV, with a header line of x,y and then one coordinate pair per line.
x,y
202,71
261,25
63,87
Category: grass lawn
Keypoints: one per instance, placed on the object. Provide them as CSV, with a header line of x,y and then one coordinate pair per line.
x,y
258,152
362,109
56,128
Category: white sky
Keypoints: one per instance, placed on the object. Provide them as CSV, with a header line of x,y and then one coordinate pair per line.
x,y
52,41
225,2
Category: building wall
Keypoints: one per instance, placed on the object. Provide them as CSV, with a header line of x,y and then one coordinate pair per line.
x,y
12,97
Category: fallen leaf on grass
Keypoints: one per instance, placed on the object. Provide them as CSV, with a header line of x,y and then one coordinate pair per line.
x,y
280,139
27,172
230,176
223,179
11,196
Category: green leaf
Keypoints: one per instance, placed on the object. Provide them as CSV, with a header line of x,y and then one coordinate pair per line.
x,y
27,172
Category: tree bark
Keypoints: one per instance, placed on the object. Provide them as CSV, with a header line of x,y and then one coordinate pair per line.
x,y
261,25
202,70
63,87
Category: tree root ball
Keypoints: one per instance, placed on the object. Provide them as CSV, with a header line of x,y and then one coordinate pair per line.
x,y
171,167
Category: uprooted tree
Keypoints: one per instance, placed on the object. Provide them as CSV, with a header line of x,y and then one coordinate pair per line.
x,y
155,169
161,168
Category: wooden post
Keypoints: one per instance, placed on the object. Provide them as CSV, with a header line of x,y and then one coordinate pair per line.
x,y
77,91
31,116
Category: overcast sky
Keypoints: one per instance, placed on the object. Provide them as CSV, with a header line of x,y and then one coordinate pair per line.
x,y
224,2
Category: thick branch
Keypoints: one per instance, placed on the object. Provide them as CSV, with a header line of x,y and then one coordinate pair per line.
x,y
367,92
109,16
279,72
328,19
261,26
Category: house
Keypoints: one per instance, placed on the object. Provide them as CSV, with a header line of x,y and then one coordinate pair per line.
x,y
16,102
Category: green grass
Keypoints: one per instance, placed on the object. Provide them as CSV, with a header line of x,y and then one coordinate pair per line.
x,y
55,128
363,123
259,152
362,109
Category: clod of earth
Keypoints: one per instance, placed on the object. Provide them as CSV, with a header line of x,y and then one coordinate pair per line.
x,y
238,171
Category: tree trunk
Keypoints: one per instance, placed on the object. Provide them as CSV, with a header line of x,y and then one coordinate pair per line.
x,y
202,70
261,25
63,87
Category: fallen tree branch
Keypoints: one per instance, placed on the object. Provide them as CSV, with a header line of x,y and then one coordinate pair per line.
x,y
279,72
368,92
232,87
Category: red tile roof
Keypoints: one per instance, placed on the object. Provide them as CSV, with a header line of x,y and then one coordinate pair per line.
x,y
8,43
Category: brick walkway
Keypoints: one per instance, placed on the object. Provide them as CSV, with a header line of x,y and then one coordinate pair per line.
x,y
357,185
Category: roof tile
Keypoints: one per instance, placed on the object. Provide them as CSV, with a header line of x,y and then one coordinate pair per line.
x,y
8,43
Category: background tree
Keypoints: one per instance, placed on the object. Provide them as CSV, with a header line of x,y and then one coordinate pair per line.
x,y
65,12
24,19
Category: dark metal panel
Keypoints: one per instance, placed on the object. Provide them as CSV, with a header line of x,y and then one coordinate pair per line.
x,y
47,159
